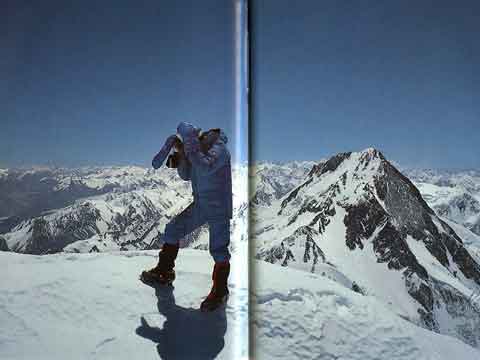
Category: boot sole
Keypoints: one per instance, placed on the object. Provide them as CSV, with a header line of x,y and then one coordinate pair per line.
x,y
152,280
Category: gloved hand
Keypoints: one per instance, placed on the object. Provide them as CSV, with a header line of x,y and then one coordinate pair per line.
x,y
164,151
189,134
171,140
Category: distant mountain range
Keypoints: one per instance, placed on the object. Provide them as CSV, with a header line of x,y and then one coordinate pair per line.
x,y
454,195
95,209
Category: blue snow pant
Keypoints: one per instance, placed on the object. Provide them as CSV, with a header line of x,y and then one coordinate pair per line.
x,y
192,218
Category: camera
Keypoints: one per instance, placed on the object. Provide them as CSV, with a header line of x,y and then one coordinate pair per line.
x,y
173,160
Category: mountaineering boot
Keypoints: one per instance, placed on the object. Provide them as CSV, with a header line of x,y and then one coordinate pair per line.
x,y
219,292
163,273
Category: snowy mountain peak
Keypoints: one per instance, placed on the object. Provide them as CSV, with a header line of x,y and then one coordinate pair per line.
x,y
361,160
373,229
346,173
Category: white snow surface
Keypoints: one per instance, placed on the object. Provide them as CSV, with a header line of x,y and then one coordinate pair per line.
x,y
297,315
93,306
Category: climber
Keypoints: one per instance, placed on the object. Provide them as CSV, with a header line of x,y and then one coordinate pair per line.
x,y
203,159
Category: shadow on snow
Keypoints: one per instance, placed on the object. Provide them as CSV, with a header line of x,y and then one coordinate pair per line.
x,y
187,333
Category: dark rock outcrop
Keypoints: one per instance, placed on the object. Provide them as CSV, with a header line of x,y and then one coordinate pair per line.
x,y
3,244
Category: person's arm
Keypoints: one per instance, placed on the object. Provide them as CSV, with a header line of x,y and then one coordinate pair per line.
x,y
164,151
211,161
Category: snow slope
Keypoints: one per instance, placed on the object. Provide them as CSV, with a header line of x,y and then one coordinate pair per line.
x,y
297,315
92,306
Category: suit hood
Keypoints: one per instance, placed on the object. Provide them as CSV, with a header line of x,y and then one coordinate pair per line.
x,y
213,135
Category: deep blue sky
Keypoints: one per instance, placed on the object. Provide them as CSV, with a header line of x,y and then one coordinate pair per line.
x,y
402,76
104,82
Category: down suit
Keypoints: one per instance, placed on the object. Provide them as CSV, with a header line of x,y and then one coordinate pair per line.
x,y
205,161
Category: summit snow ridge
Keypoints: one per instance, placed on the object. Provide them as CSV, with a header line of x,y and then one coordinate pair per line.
x,y
99,309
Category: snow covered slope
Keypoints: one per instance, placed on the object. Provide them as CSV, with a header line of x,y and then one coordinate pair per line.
x,y
297,315
357,220
92,306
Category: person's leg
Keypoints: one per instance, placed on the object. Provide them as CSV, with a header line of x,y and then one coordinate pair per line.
x,y
219,240
218,247
181,225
